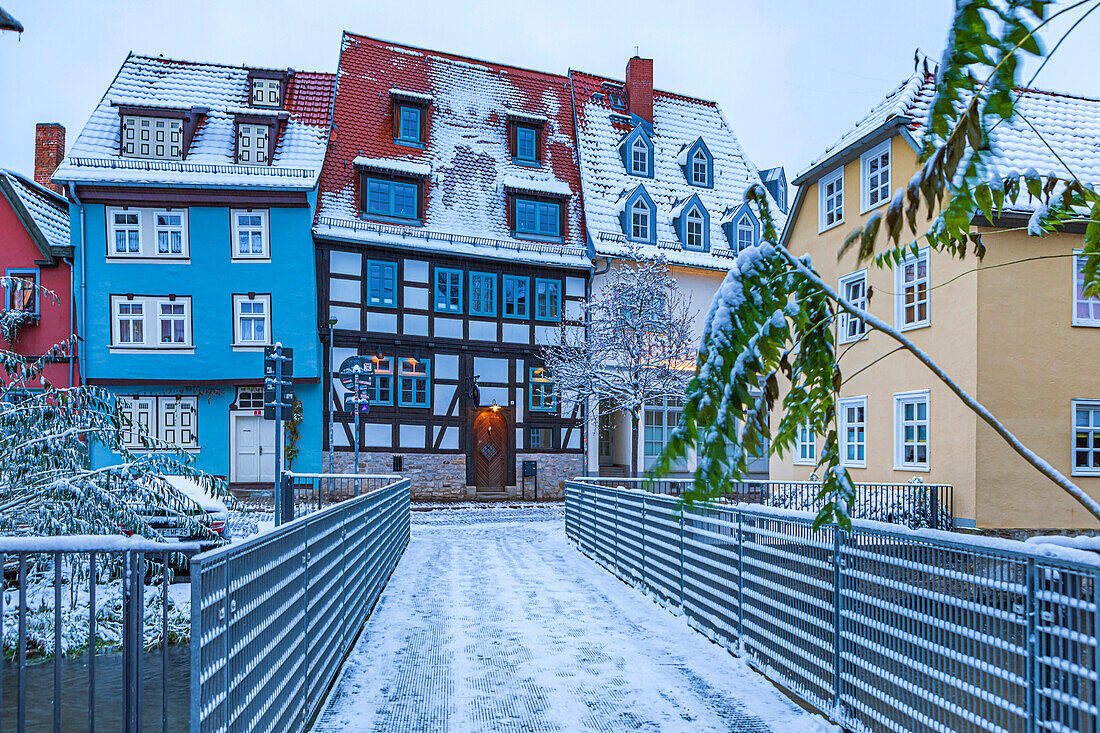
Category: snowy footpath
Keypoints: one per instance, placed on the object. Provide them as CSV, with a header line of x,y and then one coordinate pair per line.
x,y
494,622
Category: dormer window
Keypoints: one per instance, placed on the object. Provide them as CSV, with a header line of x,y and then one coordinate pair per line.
x,y
408,129
617,101
267,92
252,144
700,169
526,144
693,230
639,158
158,138
746,233
640,221
526,135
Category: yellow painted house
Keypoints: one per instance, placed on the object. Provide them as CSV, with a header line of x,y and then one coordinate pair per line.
x,y
1019,336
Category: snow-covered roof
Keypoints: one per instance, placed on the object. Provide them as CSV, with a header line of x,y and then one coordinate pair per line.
x,y
467,149
1069,123
48,211
147,81
404,94
394,165
678,122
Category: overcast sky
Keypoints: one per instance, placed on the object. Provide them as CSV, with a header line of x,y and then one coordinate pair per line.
x,y
791,75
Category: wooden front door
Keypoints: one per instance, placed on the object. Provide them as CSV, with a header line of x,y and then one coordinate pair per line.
x,y
490,450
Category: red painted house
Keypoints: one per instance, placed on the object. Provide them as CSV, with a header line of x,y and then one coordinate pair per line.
x,y
35,251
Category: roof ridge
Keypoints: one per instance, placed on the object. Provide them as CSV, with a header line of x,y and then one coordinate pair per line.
x,y
35,186
665,92
453,56
221,65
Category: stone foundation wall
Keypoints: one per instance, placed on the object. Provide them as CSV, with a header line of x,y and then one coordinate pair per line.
x,y
442,476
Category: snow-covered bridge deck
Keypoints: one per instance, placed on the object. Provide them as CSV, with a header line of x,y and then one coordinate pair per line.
x,y
493,622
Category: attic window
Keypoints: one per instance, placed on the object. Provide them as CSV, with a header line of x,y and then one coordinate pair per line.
x,y
693,230
746,233
700,171
639,157
253,144
152,137
616,100
267,92
639,221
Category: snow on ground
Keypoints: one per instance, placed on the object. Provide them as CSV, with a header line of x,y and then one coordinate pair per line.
x,y
493,622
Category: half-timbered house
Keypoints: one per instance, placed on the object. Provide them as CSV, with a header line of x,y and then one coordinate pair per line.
x,y
450,244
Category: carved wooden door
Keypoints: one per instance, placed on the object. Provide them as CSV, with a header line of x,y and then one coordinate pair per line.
x,y
490,450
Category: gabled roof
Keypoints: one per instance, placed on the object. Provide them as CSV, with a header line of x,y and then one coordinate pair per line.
x,y
148,81
1071,124
467,151
43,212
678,121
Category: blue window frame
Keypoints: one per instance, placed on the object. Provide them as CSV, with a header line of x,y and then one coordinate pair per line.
x,y
21,290
408,129
547,300
541,396
517,296
539,218
383,381
381,283
448,290
526,144
483,294
414,382
391,198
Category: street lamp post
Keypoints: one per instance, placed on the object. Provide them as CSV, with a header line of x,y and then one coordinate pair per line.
x,y
328,380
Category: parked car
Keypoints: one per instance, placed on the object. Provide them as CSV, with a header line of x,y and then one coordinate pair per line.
x,y
208,511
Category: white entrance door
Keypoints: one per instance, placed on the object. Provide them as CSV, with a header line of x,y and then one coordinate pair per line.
x,y
255,449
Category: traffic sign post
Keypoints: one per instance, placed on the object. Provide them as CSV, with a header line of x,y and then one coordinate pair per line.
x,y
279,406
357,374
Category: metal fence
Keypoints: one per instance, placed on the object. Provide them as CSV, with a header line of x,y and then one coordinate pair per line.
x,y
886,629
73,570
912,504
274,617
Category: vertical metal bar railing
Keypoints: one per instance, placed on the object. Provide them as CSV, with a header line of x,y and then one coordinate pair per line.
x,y
883,628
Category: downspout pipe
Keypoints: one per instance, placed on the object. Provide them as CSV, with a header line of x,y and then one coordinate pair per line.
x,y
72,317
82,313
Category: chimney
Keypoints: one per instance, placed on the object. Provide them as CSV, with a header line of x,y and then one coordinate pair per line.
x,y
49,151
639,87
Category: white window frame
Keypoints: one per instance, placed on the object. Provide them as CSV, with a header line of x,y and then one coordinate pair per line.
x,y
805,436
884,179
836,177
117,320
899,287
171,139
844,319
648,219
639,143
1078,264
745,224
844,404
263,85
698,156
159,228
250,228
900,400
1095,437
184,317
667,411
238,320
148,230
113,228
251,142
695,216
151,320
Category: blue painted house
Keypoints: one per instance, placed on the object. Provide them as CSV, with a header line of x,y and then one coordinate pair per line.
x,y
193,189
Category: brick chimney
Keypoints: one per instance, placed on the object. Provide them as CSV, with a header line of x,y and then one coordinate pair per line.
x,y
49,151
639,87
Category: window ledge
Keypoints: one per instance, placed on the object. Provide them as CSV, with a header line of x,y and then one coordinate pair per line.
x,y
1087,324
869,209
862,464
1085,473
250,347
538,238
408,143
150,350
391,219
921,469
914,326
527,163
146,259
857,339
266,258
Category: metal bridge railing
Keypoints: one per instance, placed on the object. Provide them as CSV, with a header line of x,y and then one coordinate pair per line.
x,y
51,584
886,629
912,504
274,617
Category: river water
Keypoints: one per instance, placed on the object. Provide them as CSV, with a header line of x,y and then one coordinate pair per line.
x,y
108,692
